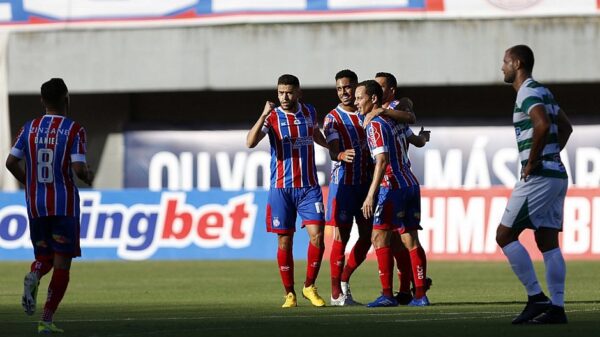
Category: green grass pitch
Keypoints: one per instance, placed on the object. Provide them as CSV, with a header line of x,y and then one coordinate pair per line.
x,y
243,298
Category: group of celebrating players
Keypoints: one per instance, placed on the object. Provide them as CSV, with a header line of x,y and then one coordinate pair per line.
x,y
368,136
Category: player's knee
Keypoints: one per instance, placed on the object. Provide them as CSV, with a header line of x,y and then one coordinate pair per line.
x,y
504,236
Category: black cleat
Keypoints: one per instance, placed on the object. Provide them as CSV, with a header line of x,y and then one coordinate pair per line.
x,y
403,298
554,315
536,305
428,284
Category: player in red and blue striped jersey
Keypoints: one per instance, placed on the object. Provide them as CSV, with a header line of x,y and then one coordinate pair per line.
x,y
293,130
393,194
410,256
351,171
53,146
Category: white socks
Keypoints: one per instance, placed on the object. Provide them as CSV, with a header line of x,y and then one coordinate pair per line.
x,y
555,275
521,264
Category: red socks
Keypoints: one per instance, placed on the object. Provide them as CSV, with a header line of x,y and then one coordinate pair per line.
x,y
336,262
357,256
315,255
285,260
402,257
419,269
56,291
385,261
41,268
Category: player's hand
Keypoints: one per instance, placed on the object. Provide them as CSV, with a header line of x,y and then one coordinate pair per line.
x,y
424,133
90,176
367,207
369,117
269,106
347,156
526,171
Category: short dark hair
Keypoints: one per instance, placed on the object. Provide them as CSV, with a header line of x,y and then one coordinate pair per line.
x,y
524,54
54,92
372,88
347,73
391,79
287,79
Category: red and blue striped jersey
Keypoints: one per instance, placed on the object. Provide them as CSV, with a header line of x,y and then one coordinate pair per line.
x,y
387,136
407,130
49,145
346,127
292,146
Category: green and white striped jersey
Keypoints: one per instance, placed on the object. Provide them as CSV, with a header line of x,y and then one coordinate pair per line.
x,y
530,94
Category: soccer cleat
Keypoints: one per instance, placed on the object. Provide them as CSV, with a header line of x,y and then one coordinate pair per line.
x,y
419,302
428,284
554,315
338,302
403,298
290,301
30,290
383,301
311,294
48,327
348,293
536,305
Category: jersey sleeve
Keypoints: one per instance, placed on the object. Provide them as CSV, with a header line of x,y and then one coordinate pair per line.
x,y
18,149
330,128
78,148
527,98
375,139
268,122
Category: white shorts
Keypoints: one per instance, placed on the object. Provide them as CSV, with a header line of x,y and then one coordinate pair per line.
x,y
536,203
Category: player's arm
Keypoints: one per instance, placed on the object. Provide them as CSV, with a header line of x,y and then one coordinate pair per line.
x,y
381,161
337,155
565,128
83,172
255,135
13,164
421,139
541,126
319,138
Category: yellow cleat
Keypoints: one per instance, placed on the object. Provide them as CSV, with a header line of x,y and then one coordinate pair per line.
x,y
290,301
311,294
48,327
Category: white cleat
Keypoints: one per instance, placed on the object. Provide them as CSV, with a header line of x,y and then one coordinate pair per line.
x,y
348,294
338,302
30,289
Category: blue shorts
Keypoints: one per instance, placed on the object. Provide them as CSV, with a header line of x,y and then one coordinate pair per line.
x,y
285,203
55,235
398,209
344,204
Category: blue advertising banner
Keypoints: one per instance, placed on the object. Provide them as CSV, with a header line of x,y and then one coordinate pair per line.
x,y
136,224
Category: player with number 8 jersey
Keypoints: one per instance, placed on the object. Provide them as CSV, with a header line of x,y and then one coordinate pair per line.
x,y
53,147
49,144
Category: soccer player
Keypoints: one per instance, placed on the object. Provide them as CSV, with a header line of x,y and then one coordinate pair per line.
x,y
393,194
408,253
351,171
53,146
542,130
293,129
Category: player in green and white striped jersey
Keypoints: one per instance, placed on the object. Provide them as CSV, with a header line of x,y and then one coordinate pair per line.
x,y
542,130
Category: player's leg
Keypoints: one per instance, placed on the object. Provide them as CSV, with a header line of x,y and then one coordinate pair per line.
x,y
335,215
418,261
309,202
365,227
41,236
519,215
383,224
65,244
548,243
281,219
402,258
